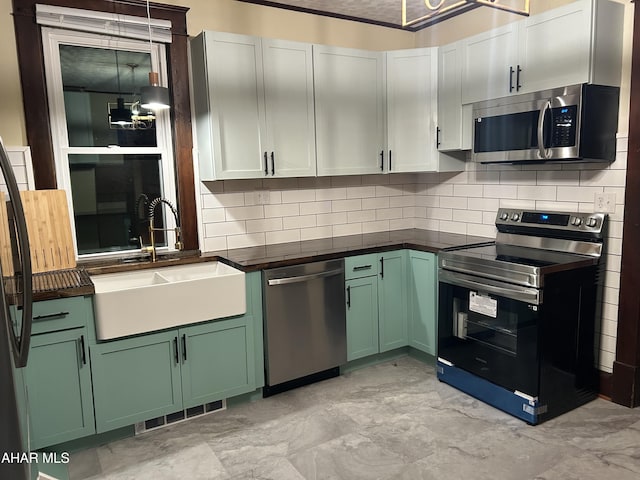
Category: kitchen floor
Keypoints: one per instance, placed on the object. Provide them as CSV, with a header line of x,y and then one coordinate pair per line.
x,y
394,420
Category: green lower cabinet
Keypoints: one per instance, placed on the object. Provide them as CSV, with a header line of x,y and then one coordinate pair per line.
x,y
422,288
58,380
217,361
135,379
362,317
392,300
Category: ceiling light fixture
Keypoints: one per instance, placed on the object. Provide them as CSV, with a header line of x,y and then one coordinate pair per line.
x,y
119,115
153,96
435,10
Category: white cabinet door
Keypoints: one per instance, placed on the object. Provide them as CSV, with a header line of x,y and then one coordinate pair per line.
x,y
411,109
288,82
229,105
486,64
450,119
349,94
554,48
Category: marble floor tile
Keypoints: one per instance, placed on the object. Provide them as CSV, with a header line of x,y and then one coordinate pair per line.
x,y
393,421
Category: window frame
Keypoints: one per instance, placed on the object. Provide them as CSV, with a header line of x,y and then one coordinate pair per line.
x,y
38,127
52,38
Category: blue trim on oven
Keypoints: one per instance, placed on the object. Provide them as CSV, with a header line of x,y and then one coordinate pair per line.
x,y
490,393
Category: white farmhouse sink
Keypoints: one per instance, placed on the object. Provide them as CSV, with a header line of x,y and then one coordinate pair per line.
x,y
144,301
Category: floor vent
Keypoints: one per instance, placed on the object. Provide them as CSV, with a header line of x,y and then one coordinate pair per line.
x,y
180,416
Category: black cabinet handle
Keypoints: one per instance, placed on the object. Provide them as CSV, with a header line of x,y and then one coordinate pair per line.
x,y
349,297
266,164
389,160
382,160
49,316
511,79
82,350
382,267
437,137
361,267
175,350
273,164
518,86
184,347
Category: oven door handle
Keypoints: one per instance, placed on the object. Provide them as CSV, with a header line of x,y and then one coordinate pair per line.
x,y
522,294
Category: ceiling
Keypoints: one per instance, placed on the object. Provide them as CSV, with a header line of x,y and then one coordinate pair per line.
x,y
380,12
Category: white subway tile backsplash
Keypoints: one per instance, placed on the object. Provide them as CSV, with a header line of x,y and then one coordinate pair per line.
x,y
347,229
332,193
388,213
361,216
453,202
467,216
315,232
296,196
490,204
375,203
404,201
225,200
283,236
488,231
401,223
303,221
440,213
264,224
518,178
453,227
368,191
282,210
248,240
559,177
210,215
224,229
311,208
244,213
346,205
536,192
500,191
212,244
460,190
331,218
377,226
577,194
603,178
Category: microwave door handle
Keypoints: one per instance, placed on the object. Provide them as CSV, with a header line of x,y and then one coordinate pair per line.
x,y
543,111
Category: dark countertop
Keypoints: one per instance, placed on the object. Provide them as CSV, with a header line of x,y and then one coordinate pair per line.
x,y
61,284
284,254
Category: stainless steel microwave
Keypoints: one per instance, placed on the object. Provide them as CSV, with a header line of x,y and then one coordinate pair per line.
x,y
574,123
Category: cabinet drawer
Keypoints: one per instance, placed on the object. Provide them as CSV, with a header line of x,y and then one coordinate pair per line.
x,y
361,266
60,314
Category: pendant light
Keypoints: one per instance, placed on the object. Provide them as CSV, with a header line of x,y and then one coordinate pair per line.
x,y
153,96
119,115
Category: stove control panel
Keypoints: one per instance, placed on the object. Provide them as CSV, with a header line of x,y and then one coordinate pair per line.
x,y
568,221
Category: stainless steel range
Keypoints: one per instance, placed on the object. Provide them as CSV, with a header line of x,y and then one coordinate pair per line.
x,y
518,319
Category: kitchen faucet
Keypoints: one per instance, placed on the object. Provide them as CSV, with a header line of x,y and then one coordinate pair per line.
x,y
152,229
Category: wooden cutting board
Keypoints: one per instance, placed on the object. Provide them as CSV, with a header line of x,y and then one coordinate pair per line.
x,y
49,227
5,240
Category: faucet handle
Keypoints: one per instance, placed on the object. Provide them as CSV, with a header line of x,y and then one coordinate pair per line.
x,y
179,245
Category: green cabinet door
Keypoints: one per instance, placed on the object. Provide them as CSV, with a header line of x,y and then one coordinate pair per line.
x,y
362,317
392,300
422,301
136,379
58,380
217,360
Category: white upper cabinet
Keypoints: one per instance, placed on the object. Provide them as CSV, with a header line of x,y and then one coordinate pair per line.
x,y
349,105
489,63
580,42
454,121
288,83
411,110
253,102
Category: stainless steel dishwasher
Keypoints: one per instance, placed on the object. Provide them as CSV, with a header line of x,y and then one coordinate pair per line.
x,y
305,323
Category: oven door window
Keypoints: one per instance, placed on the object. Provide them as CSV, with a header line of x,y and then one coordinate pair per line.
x,y
491,336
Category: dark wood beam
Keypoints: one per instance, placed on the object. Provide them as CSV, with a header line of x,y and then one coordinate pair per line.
x,y
626,368
32,78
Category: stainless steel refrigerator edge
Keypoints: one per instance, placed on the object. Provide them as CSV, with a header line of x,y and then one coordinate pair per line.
x,y
305,320
14,346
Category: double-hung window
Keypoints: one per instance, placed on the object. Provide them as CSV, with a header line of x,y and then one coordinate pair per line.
x,y
112,156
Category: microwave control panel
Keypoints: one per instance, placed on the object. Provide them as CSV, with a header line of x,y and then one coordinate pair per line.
x,y
563,124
